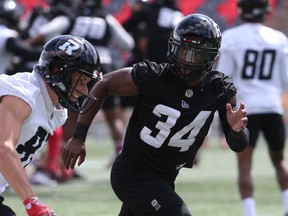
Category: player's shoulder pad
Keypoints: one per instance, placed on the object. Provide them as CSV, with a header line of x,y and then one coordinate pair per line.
x,y
147,67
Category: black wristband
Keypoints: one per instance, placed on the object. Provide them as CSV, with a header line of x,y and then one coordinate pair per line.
x,y
238,141
80,131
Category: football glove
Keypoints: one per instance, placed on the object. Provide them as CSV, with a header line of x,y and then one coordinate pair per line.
x,y
34,207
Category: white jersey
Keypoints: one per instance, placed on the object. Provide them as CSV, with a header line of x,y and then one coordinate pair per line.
x,y
43,120
256,58
5,56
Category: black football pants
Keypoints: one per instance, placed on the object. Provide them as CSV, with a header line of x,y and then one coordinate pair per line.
x,y
144,193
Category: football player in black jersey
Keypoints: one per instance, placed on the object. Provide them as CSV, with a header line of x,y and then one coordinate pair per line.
x,y
175,105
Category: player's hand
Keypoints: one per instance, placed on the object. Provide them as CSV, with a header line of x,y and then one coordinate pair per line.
x,y
237,119
34,207
74,149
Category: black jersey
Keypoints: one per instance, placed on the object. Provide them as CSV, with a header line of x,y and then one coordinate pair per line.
x,y
93,28
170,119
159,23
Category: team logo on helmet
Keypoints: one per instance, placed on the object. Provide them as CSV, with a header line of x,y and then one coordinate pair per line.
x,y
69,48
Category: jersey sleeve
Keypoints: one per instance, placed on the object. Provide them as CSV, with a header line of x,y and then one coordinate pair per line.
x,y
16,87
144,74
56,26
221,85
120,36
284,62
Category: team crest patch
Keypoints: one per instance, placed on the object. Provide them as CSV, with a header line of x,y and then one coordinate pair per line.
x,y
189,93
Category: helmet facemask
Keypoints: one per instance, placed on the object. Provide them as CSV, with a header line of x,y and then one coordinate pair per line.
x,y
61,83
191,62
193,46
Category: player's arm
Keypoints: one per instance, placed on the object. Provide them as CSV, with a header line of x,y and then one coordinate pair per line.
x,y
13,113
120,36
56,26
234,121
21,48
118,82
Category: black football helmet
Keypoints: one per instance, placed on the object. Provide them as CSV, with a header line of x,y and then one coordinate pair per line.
x,y
253,10
10,13
193,46
61,57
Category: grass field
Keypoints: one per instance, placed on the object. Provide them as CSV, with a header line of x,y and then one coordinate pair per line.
x,y
208,189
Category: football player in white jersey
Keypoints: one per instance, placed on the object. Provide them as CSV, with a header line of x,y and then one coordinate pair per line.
x,y
33,105
255,58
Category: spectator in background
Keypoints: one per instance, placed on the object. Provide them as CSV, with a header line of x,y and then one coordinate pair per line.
x,y
256,58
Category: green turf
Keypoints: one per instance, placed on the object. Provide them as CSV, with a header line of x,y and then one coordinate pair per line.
x,y
208,189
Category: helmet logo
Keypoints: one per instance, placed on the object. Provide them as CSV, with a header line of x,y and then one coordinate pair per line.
x,y
69,49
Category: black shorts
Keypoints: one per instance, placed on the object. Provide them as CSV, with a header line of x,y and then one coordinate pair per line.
x,y
143,192
111,102
271,125
127,101
5,210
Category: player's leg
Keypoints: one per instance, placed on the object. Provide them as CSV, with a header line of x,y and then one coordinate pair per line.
x,y
53,153
113,116
276,140
112,113
127,105
245,180
143,192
